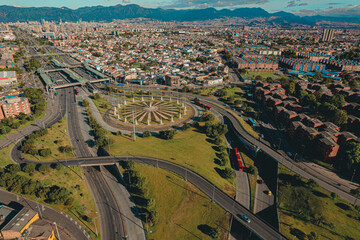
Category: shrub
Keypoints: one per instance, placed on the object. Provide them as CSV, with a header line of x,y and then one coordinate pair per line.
x,y
252,170
185,127
29,167
146,134
229,173
43,168
45,152
312,183
168,134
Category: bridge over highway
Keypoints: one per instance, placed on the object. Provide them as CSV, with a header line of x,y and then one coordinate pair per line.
x,y
81,83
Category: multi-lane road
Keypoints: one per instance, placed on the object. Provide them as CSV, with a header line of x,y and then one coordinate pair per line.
x,y
111,220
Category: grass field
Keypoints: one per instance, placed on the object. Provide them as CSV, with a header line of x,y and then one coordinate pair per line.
x,y
57,136
177,201
264,74
342,219
98,104
252,179
188,148
5,156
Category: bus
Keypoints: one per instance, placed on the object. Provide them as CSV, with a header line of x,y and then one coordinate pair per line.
x,y
252,122
207,107
239,160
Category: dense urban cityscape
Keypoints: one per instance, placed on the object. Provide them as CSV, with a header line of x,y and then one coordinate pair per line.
x,y
172,124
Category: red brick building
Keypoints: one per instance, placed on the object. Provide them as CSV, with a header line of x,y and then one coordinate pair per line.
x,y
11,107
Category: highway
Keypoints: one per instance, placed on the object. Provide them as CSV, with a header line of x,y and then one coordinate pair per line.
x,y
111,220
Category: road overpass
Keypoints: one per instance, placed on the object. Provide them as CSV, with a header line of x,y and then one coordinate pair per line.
x,y
81,83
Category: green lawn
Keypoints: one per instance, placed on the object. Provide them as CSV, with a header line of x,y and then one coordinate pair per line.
x,y
189,148
341,219
252,179
5,156
182,208
264,74
99,104
57,136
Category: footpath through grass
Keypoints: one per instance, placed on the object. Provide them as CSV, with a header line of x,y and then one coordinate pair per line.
x,y
56,137
183,211
189,148
305,208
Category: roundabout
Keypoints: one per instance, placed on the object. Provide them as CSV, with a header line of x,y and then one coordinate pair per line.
x,y
149,115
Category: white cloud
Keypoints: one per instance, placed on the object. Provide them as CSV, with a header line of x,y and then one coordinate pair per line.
x,y
350,11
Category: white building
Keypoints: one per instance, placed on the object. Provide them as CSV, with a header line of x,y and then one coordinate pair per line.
x,y
7,78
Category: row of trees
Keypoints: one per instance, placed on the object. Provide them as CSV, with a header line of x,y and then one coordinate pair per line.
x,y
99,133
15,182
137,185
216,131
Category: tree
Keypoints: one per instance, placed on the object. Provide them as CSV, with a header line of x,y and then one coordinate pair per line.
x,y
340,117
43,168
45,152
338,100
96,96
129,165
146,134
85,103
185,127
29,167
14,168
312,183
229,173
97,54
168,134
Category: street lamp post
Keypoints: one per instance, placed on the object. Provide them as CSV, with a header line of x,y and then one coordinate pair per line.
x,y
57,230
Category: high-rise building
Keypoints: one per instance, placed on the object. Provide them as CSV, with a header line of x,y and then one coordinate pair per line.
x,y
328,35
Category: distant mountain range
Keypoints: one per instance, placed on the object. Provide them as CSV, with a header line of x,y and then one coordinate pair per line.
x,y
101,13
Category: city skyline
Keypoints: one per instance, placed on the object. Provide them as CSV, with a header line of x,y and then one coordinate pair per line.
x,y
299,7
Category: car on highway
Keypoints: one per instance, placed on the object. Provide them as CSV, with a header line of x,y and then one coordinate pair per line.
x,y
22,158
289,154
245,218
260,181
269,193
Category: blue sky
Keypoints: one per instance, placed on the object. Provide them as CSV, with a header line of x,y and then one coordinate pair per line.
x,y
301,7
